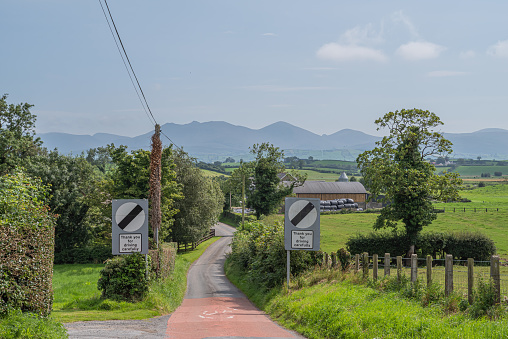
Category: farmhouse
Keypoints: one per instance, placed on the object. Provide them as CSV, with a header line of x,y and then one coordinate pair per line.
x,y
333,190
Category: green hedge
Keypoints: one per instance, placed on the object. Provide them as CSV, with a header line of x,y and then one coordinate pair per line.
x,y
27,240
237,218
85,255
163,260
462,245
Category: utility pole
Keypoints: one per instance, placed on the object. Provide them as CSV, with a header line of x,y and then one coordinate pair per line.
x,y
155,184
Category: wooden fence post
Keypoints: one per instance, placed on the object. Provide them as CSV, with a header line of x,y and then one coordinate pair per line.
x,y
365,263
448,274
357,262
326,260
494,274
334,260
387,264
414,267
429,270
470,279
399,267
374,266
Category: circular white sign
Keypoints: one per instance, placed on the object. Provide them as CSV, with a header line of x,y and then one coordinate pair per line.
x,y
302,214
130,217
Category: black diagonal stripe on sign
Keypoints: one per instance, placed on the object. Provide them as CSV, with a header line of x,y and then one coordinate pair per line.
x,y
302,214
129,217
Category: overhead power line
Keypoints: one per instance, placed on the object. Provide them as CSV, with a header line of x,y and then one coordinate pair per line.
x,y
123,54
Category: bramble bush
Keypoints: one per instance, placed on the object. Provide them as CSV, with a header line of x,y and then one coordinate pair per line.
x,y
259,250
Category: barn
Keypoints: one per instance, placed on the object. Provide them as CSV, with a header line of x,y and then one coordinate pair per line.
x,y
333,190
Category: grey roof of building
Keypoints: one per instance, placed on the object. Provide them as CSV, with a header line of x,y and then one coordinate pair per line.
x,y
323,187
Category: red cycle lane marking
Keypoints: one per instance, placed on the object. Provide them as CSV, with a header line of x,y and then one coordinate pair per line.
x,y
221,316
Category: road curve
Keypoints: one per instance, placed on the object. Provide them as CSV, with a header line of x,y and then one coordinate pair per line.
x,y
215,308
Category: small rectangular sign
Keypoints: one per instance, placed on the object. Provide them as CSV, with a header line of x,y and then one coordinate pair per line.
x,y
302,239
130,243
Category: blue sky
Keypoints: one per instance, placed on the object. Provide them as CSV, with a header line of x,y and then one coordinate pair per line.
x,y
320,65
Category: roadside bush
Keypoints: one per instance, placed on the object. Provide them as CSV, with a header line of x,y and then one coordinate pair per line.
x,y
484,299
163,260
259,249
27,238
236,219
124,278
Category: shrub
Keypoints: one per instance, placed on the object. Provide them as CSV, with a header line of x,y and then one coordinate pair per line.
x,y
259,249
344,258
469,245
27,238
481,184
378,243
498,174
484,299
124,278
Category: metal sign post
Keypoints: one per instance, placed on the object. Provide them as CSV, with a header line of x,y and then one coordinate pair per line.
x,y
301,227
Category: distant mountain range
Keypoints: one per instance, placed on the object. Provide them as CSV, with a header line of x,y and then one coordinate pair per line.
x,y
216,140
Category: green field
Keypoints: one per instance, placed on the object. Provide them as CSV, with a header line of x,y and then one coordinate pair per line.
x,y
475,171
76,297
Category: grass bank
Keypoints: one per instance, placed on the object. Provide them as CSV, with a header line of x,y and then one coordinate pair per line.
x,y
76,297
330,306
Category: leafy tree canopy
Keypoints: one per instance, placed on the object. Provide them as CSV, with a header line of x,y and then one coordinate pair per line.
x,y
268,192
17,134
397,168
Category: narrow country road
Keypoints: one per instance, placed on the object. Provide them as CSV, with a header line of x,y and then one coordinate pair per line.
x,y
215,308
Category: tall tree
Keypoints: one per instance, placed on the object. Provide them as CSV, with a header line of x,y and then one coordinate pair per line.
x,y
130,180
71,181
17,134
201,204
268,192
397,168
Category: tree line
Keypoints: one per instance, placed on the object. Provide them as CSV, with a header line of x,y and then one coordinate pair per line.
x,y
81,187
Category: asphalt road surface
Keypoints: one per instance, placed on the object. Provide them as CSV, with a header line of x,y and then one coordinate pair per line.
x,y
212,308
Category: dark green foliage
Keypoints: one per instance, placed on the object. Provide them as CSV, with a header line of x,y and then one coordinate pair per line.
x,y
268,192
18,325
236,219
498,174
97,254
72,182
397,169
469,245
461,245
201,205
481,184
259,250
124,278
131,181
17,135
26,245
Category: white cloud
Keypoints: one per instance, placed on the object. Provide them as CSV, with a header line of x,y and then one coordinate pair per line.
x,y
499,50
467,54
419,50
400,17
440,74
269,34
338,52
362,36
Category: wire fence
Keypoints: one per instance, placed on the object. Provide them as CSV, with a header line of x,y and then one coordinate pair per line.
x,y
460,276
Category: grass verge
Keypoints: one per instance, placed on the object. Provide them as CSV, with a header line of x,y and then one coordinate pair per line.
x,y
27,325
330,306
76,297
